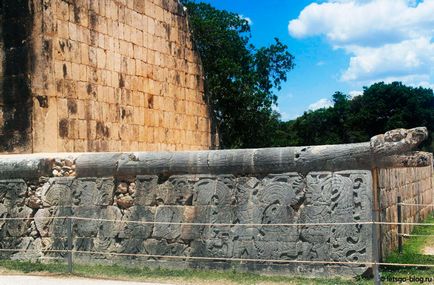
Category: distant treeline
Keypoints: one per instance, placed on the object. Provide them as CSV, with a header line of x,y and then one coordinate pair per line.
x,y
380,108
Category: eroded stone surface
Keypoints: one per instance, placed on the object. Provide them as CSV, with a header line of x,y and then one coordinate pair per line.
x,y
223,204
231,204
54,69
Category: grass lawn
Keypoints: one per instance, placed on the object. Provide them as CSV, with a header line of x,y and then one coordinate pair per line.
x,y
189,276
412,253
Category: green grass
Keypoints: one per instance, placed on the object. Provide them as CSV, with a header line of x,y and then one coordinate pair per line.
x,y
191,276
412,254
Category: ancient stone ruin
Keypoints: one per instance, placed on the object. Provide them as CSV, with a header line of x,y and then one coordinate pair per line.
x,y
291,209
84,75
78,76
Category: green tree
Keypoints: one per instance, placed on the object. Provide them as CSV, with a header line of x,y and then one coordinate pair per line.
x,y
382,107
240,79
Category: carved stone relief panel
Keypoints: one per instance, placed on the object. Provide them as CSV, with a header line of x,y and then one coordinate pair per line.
x,y
289,217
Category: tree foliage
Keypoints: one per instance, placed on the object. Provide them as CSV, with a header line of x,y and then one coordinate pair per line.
x,y
382,107
240,79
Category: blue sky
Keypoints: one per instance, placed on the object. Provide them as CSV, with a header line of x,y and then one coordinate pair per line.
x,y
342,45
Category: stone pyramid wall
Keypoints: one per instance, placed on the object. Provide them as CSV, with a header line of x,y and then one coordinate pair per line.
x,y
99,75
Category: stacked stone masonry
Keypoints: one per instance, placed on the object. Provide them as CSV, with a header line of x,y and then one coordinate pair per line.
x,y
273,208
100,76
415,187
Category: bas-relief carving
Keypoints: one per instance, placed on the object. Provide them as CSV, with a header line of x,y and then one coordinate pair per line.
x,y
337,197
350,242
13,195
321,197
225,203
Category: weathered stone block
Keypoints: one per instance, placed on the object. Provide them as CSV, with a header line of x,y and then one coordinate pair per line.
x,y
146,190
93,191
137,222
13,192
19,227
87,227
212,248
216,191
168,214
192,214
33,249
111,227
131,246
57,192
162,248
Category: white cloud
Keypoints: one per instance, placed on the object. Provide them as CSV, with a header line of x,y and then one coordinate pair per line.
x,y
283,115
365,22
289,95
249,20
321,103
425,84
384,38
409,57
355,93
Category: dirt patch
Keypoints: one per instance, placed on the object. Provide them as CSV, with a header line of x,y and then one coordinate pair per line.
x,y
428,250
8,271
